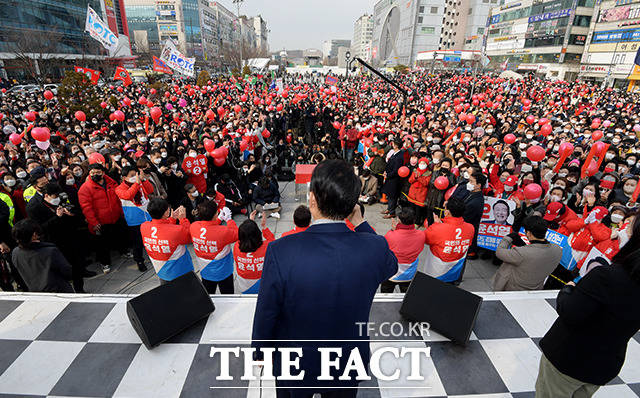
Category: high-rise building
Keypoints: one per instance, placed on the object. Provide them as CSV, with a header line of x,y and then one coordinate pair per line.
x,y
362,34
143,25
612,44
51,33
171,24
330,49
262,34
542,37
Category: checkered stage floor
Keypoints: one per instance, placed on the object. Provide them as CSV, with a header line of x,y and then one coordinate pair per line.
x,y
84,346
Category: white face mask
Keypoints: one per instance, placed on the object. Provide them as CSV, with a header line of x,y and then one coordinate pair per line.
x,y
466,175
131,180
157,160
195,194
470,187
54,201
526,168
522,145
554,198
609,156
21,174
174,167
142,139
436,161
616,218
422,166
10,183
117,158
71,181
631,162
615,141
508,188
193,154
163,154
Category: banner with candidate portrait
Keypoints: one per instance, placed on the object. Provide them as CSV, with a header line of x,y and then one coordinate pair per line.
x,y
175,60
496,222
159,66
100,31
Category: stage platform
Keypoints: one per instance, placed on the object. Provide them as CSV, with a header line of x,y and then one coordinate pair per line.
x,y
84,346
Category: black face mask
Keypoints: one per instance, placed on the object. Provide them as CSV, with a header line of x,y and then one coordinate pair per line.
x,y
96,178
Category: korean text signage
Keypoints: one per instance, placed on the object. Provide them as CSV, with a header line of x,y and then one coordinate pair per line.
x,y
176,60
550,15
615,36
99,30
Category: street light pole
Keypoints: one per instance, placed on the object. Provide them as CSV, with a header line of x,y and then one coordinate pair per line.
x,y
238,3
347,56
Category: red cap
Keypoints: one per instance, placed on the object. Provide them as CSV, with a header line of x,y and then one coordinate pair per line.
x,y
600,212
423,160
511,181
553,210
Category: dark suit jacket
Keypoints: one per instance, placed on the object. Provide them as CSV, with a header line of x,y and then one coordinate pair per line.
x,y
596,320
316,285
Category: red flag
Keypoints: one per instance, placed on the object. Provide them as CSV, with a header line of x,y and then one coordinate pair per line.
x,y
93,75
122,74
160,66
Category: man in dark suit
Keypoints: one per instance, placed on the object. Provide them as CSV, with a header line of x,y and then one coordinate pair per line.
x,y
392,180
318,285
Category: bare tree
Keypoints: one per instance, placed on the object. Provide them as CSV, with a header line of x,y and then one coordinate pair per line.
x,y
231,54
35,51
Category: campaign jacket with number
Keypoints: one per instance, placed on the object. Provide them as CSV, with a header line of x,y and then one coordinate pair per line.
x,y
448,244
406,242
166,243
213,244
134,199
249,265
100,204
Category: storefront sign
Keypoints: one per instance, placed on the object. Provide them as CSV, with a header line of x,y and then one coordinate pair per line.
x,y
550,15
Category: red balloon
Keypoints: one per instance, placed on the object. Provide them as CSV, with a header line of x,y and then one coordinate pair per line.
x,y
403,171
535,153
209,145
48,95
471,118
542,121
526,102
155,113
337,125
40,134
209,114
427,107
509,139
441,183
546,129
372,111
190,92
219,161
218,153
119,89
153,91
103,104
142,100
112,117
266,133
80,116
596,135
421,119
285,94
256,100
167,94
119,115
279,107
531,119
600,146
126,101
15,139
243,98
30,116
592,169
532,191
565,149
150,103
462,117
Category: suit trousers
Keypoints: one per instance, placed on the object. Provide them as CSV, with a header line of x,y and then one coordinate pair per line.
x,y
226,285
552,383
300,393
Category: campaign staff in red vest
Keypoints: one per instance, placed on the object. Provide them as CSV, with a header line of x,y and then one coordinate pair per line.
x,y
166,241
134,191
249,253
213,243
406,242
449,240
301,219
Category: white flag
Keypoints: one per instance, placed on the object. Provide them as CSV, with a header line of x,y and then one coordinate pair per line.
x,y
176,60
100,30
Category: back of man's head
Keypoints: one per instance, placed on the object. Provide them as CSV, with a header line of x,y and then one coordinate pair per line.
x,y
207,210
536,225
302,216
407,216
336,188
455,207
157,207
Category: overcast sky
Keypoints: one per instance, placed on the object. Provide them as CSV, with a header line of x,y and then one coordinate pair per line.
x,y
300,24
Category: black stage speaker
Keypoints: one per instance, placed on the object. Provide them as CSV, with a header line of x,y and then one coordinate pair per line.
x,y
167,310
449,310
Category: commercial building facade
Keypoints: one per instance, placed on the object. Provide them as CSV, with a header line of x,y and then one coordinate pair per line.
x,y
362,34
542,37
52,32
612,43
330,49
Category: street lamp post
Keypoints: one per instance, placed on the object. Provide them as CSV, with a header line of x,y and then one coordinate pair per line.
x,y
347,57
238,3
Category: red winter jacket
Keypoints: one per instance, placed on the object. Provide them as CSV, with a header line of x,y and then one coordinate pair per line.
x,y
99,205
418,190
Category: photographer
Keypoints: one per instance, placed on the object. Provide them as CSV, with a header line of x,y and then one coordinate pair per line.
x,y
58,227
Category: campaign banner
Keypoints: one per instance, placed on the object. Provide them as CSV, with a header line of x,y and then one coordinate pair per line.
x,y
100,31
195,166
93,75
331,80
159,66
176,60
561,240
496,222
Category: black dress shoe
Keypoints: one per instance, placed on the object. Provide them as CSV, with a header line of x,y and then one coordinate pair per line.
x,y
88,274
142,267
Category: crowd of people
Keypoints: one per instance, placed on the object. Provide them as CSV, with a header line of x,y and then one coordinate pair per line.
x,y
165,171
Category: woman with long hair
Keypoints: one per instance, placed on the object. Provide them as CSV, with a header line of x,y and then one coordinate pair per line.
x,y
586,346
